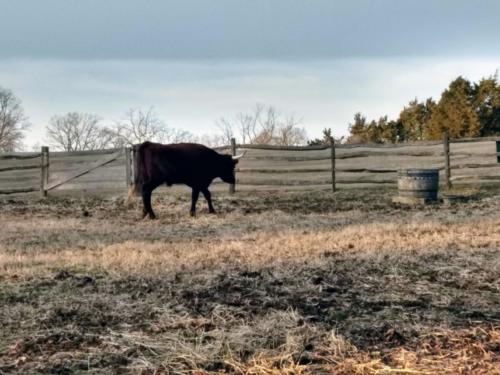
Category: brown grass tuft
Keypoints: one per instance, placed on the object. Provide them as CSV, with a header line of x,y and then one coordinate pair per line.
x,y
268,287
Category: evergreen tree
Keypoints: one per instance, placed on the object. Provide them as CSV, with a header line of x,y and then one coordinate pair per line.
x,y
430,108
466,109
373,132
391,131
414,119
316,142
487,105
358,129
455,112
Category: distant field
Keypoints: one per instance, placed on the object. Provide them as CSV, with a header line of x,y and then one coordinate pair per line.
x,y
275,283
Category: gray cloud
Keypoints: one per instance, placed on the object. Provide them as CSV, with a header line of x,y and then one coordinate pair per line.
x,y
243,29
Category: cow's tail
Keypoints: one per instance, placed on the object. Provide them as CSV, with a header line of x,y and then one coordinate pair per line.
x,y
140,170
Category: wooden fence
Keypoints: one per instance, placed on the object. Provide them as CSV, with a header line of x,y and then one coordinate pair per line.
x,y
264,167
84,171
330,166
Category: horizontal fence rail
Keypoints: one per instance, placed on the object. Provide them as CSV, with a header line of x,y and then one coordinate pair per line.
x,y
20,155
472,160
284,148
19,172
19,167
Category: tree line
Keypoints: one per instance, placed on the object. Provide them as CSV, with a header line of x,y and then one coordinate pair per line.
x,y
77,131
465,109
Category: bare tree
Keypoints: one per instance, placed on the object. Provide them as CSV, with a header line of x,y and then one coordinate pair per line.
x,y
13,121
140,126
264,125
290,134
248,124
227,130
77,131
327,136
268,120
212,140
35,147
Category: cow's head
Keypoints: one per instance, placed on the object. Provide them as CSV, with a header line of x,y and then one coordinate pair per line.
x,y
227,170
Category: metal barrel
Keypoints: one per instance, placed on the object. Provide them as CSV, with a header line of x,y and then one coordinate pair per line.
x,y
419,183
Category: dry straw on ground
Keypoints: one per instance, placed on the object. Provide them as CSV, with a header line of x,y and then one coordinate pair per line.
x,y
280,284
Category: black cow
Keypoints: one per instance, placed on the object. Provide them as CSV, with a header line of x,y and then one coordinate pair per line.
x,y
184,163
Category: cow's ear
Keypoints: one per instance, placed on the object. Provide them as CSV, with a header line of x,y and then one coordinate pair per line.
x,y
235,161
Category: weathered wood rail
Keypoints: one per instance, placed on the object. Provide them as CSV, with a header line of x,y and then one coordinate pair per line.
x,y
472,159
263,167
46,171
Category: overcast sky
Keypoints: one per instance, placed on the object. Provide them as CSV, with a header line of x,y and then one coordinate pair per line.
x,y
195,61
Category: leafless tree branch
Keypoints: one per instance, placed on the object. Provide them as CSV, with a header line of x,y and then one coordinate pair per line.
x,y
140,126
13,121
264,125
77,131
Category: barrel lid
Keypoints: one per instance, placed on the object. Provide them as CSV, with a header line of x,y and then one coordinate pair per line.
x,y
419,171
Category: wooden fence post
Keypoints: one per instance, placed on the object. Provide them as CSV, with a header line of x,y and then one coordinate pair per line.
x,y
446,145
128,166
232,187
44,171
332,156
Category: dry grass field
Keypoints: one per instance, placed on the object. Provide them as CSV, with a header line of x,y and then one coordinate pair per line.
x,y
275,283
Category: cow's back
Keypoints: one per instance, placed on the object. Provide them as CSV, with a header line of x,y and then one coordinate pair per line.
x,y
188,163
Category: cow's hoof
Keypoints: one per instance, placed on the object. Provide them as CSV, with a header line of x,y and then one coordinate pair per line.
x,y
152,217
192,214
212,212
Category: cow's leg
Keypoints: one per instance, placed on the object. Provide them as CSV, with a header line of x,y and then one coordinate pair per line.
x,y
147,189
194,198
208,197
